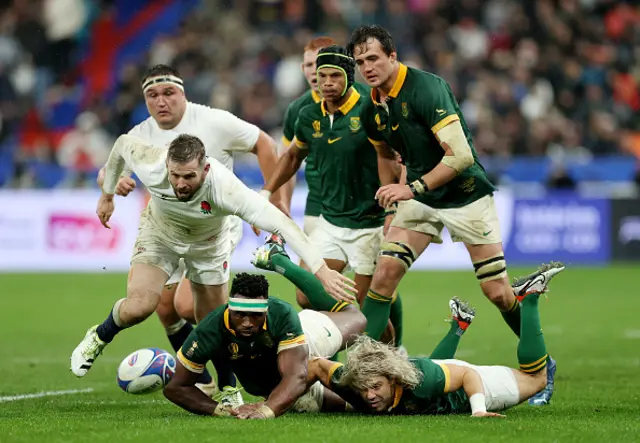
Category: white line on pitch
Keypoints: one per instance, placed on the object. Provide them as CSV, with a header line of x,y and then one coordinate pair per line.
x,y
44,394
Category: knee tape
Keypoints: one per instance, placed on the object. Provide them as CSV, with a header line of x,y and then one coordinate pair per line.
x,y
493,268
398,251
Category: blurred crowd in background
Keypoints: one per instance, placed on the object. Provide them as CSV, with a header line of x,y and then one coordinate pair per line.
x,y
534,78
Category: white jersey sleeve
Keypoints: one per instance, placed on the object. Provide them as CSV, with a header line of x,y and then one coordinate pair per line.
x,y
233,196
240,135
135,154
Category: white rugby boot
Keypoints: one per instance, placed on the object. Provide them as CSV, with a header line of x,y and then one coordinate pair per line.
x,y
85,354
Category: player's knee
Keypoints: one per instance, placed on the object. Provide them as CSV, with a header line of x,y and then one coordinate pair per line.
x,y
499,293
396,252
388,274
185,309
141,303
359,321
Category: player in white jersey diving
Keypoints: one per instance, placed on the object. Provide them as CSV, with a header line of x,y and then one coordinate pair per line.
x,y
192,199
223,134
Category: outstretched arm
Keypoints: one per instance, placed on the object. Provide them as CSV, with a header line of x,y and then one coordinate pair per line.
x,y
183,392
286,168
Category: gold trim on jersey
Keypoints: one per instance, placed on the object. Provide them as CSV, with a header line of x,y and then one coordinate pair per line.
x,y
397,396
315,96
375,142
334,367
444,122
188,364
346,106
292,343
286,141
447,376
397,85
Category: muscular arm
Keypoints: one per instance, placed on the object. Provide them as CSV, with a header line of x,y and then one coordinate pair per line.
x,y
182,391
265,151
286,168
292,364
389,170
457,156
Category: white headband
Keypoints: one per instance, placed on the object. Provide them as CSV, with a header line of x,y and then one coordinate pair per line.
x,y
160,79
248,304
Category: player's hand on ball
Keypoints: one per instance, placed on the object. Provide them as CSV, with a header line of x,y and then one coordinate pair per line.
x,y
125,186
488,414
105,209
389,194
338,286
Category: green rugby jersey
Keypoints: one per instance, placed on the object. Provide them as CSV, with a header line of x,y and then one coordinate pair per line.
x,y
345,160
254,361
428,398
418,106
314,203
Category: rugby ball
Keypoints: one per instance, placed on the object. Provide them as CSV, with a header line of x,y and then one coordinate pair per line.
x,y
146,370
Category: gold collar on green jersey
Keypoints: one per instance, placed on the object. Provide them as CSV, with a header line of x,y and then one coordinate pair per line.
x,y
316,98
228,325
346,106
397,85
396,397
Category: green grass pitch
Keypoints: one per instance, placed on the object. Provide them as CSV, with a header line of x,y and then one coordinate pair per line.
x,y
590,322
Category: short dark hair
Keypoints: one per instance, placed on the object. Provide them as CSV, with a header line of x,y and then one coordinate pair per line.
x,y
250,285
157,70
185,148
363,33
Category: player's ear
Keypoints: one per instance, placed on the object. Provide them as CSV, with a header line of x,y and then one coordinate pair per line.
x,y
393,57
206,168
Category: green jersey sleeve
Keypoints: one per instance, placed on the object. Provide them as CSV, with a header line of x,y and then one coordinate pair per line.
x,y
288,129
436,378
371,122
438,106
304,125
200,346
288,329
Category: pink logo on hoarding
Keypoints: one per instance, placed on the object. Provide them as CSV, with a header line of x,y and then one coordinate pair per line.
x,y
77,233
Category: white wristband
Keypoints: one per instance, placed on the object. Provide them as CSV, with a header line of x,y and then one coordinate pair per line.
x,y
266,194
477,402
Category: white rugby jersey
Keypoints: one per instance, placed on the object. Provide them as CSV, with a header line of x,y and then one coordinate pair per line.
x,y
204,216
221,132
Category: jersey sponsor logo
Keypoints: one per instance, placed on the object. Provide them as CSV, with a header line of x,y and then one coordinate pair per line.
x,y
328,331
355,124
381,127
205,207
333,140
405,110
441,112
316,129
191,349
395,127
487,233
469,185
234,349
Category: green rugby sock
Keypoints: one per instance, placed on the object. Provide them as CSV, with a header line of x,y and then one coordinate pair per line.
x,y
307,283
376,308
532,352
513,317
395,315
449,344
